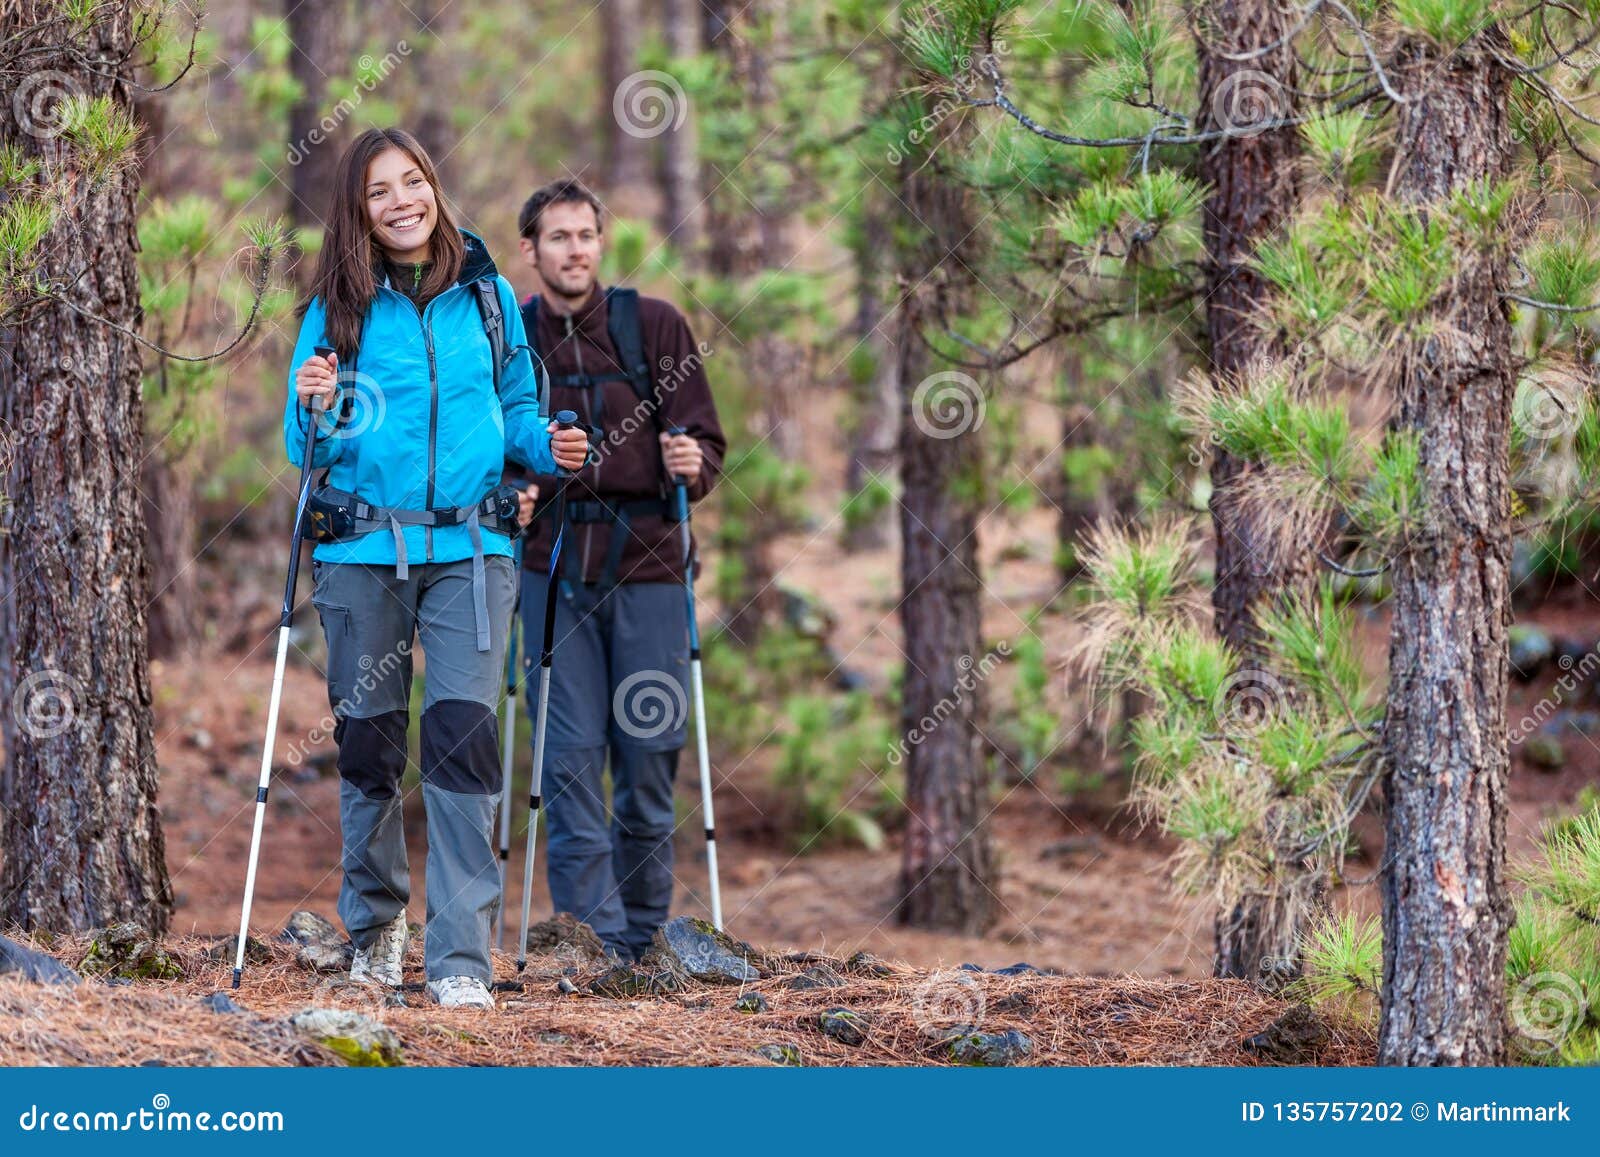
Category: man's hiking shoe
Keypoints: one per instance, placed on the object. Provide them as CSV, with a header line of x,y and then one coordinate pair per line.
x,y
379,962
460,992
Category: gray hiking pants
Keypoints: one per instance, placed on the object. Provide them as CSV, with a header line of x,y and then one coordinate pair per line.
x,y
371,618
620,685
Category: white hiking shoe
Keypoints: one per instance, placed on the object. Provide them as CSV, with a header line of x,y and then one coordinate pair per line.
x,y
379,963
460,992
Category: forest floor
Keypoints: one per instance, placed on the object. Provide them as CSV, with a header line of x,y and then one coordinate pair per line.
x,y
901,1016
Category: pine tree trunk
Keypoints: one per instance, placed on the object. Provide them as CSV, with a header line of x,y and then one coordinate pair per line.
x,y
680,160
1446,911
313,157
874,425
79,827
625,162
749,230
947,875
1254,192
435,95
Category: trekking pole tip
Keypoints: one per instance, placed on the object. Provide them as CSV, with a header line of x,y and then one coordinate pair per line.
x,y
237,974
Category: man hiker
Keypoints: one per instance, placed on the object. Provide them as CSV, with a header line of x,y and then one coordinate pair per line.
x,y
629,367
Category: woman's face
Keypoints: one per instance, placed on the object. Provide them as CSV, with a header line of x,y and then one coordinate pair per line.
x,y
400,205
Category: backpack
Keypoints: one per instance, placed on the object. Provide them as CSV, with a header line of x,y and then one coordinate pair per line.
x,y
627,336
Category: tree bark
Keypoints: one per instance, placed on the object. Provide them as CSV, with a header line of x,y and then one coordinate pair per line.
x,y
875,427
434,94
313,31
749,231
1254,193
1446,911
947,875
625,159
80,830
680,159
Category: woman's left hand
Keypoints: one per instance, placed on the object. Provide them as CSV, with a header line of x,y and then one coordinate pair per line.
x,y
570,448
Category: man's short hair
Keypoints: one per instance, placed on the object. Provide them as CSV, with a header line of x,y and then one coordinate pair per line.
x,y
569,191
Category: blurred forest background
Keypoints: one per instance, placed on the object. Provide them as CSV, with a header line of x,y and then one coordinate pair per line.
x,y
1146,422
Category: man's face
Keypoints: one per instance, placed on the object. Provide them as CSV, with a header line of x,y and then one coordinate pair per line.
x,y
566,253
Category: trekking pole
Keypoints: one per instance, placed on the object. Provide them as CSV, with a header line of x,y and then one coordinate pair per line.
x,y
284,619
507,749
681,490
565,420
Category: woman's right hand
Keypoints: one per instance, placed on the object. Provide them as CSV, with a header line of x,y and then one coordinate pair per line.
x,y
317,377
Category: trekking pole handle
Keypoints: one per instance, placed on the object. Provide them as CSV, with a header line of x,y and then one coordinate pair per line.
x,y
565,420
675,431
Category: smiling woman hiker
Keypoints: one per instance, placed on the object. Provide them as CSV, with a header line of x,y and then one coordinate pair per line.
x,y
413,345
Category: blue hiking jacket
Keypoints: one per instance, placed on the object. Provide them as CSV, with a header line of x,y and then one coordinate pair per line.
x,y
426,430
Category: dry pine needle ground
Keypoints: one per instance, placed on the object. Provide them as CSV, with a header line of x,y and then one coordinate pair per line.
x,y
1069,1020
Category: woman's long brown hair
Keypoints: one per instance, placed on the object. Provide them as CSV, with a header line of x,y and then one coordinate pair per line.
x,y
347,268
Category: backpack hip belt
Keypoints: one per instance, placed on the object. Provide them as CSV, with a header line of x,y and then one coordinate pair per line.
x,y
336,515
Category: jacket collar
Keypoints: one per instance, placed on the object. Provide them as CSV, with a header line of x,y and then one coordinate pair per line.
x,y
476,264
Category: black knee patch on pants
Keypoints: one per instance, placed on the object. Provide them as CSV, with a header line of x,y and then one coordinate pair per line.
x,y
372,752
460,751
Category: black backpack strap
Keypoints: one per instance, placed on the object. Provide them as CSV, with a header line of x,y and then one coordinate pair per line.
x,y
494,324
627,335
530,324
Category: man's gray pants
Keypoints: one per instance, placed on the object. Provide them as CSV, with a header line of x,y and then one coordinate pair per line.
x,y
619,685
371,618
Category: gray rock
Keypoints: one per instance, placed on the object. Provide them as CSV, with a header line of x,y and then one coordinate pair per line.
x,y
751,1002
696,949
1531,649
569,940
1019,969
1292,1039
554,1038
255,952
987,1049
321,946
127,951
844,1025
19,960
623,982
781,1054
359,1039
866,964
220,1002
817,976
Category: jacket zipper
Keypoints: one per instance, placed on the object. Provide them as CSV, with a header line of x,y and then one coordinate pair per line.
x,y
433,408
